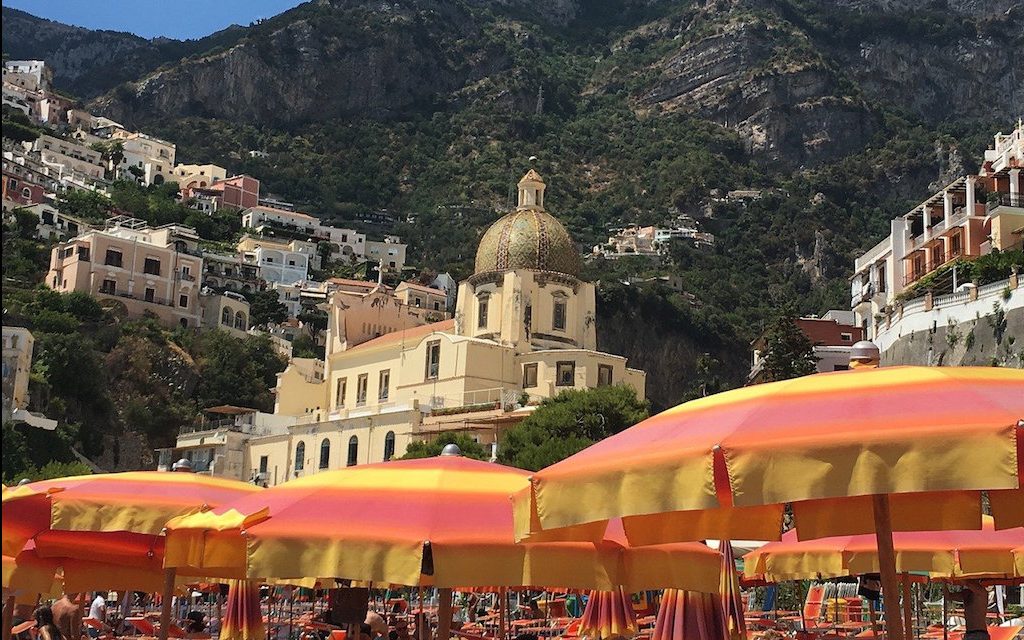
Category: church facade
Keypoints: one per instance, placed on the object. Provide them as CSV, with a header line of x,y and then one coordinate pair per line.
x,y
524,329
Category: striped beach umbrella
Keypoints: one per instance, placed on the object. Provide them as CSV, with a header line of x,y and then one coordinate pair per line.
x,y
732,601
607,614
83,516
861,451
984,553
690,615
243,618
444,521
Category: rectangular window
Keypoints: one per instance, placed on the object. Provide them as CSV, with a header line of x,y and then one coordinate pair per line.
x,y
846,337
604,375
151,266
481,313
530,375
384,385
183,301
433,359
558,321
361,384
565,374
339,392
109,286
150,294
83,253
264,463
113,258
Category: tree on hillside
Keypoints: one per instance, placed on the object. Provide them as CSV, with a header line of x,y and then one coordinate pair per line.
x,y
470,448
236,371
87,205
788,352
265,307
568,423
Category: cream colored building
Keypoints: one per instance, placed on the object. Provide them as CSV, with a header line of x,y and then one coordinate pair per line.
x,y
17,364
228,312
524,330
138,268
149,159
189,176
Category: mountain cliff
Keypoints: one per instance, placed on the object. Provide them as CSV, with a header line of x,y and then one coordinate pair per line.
x,y
843,113
87,62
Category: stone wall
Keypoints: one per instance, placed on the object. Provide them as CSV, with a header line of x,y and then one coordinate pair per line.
x,y
960,331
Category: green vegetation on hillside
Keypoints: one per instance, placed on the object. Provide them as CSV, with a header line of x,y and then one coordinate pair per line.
x,y
102,376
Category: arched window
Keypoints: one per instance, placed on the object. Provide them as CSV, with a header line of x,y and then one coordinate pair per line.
x,y
325,453
225,316
353,451
389,446
300,456
240,321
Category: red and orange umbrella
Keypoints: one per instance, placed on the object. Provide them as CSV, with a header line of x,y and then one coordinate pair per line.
x,y
243,618
689,615
444,521
107,516
607,614
904,448
984,553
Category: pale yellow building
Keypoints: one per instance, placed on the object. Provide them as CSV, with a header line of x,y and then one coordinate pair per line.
x,y
524,329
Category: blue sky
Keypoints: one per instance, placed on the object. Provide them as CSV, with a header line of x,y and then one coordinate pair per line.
x,y
150,18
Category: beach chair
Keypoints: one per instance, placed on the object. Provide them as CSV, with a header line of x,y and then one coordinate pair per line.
x,y
143,626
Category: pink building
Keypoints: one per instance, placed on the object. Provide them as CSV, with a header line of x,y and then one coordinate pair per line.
x,y
240,192
141,269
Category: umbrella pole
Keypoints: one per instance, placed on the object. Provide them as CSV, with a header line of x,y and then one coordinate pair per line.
x,y
444,614
166,603
502,606
874,618
945,614
291,612
887,566
908,612
421,618
8,618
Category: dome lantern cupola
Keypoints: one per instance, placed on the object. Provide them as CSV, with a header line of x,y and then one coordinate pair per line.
x,y
531,191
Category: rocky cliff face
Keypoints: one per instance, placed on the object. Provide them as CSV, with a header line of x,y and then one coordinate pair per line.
x,y
802,80
329,60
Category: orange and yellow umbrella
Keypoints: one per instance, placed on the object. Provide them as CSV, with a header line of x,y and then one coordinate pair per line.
x,y
445,521
981,553
725,465
112,520
27,575
607,614
689,615
243,618
868,450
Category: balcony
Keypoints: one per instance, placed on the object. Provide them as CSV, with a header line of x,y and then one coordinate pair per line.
x,y
1004,200
186,277
130,296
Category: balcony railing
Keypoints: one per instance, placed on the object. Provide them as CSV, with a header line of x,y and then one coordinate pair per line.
x,y
187,277
1005,200
154,300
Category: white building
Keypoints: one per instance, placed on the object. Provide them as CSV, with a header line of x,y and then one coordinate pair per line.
x,y
31,75
68,158
390,252
969,218
263,219
146,159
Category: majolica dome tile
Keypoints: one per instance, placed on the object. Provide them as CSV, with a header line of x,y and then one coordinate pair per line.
x,y
527,239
